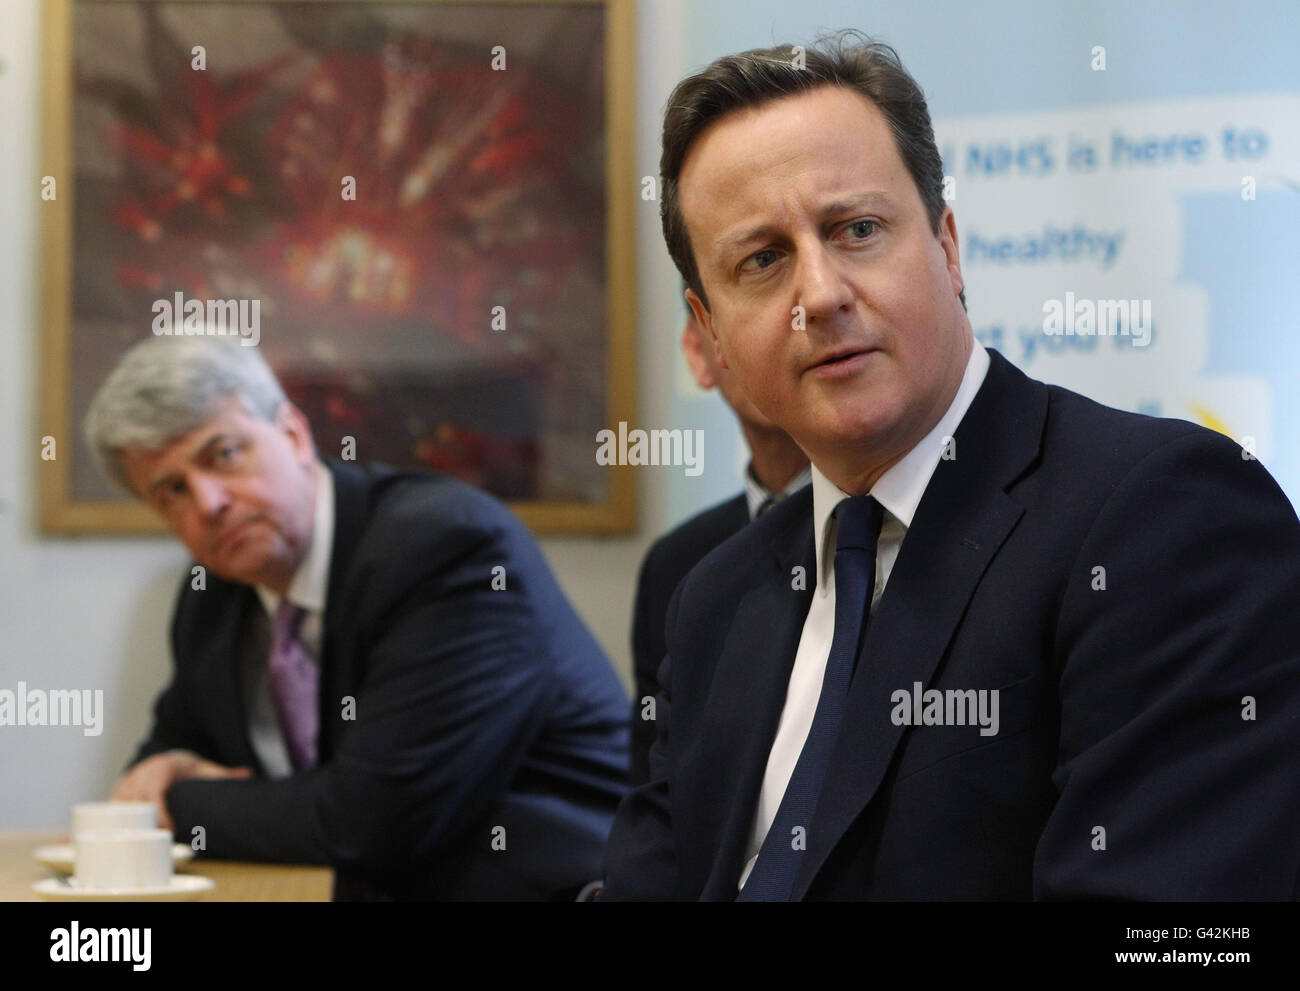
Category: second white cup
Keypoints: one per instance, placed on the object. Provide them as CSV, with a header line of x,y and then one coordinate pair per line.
x,y
123,859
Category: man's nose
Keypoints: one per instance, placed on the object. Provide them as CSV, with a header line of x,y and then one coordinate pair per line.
x,y
823,287
210,494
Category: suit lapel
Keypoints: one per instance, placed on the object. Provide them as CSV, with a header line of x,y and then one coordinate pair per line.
x,y
962,521
743,709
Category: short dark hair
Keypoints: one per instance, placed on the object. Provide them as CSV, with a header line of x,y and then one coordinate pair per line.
x,y
753,78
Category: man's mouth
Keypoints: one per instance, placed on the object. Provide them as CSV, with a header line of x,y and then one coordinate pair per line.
x,y
232,535
841,359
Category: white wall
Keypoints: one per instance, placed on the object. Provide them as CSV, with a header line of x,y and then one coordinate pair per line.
x,y
93,613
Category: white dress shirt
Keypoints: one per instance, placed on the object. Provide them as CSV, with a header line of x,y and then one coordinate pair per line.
x,y
756,494
899,491
307,589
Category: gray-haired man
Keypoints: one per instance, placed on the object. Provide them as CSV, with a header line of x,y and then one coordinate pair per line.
x,y
351,686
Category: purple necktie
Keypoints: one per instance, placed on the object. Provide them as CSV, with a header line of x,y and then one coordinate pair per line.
x,y
293,678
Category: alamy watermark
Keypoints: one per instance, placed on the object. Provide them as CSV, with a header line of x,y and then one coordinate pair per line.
x,y
682,448
950,707
181,317
74,944
1102,318
54,707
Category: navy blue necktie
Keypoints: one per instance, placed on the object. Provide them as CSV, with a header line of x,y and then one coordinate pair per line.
x,y
858,521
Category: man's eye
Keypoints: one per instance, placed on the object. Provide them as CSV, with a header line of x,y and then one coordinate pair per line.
x,y
169,493
228,455
862,228
759,260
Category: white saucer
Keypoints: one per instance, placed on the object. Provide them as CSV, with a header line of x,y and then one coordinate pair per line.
x,y
61,857
183,888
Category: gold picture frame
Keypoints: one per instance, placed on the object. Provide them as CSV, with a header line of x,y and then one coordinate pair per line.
x,y
68,335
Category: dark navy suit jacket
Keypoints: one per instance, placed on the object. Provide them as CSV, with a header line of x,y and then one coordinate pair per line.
x,y
475,708
1149,713
667,562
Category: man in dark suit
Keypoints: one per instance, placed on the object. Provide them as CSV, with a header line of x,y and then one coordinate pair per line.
x,y
374,669
776,469
1010,644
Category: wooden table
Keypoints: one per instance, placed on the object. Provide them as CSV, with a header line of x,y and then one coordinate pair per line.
x,y
235,882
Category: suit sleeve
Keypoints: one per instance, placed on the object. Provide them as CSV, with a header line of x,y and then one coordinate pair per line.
x,y
640,859
455,691
648,617
1179,688
174,725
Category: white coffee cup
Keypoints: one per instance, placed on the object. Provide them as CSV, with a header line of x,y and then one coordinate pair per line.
x,y
123,859
113,815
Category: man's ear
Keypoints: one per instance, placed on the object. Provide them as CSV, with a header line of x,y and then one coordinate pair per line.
x,y
291,421
948,241
705,319
693,345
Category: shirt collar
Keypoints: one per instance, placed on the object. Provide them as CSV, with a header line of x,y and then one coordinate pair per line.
x,y
310,582
899,489
755,493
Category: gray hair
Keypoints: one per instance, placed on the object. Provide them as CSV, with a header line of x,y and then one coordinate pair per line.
x,y
164,387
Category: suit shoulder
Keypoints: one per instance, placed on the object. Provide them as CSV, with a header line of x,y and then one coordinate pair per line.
x,y
205,610
692,539
417,498
1085,438
749,555
201,595
1091,452
1101,437
427,517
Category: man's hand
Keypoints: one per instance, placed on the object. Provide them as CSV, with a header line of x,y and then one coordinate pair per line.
x,y
149,780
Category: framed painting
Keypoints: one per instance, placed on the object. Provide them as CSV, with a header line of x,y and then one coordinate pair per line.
x,y
420,210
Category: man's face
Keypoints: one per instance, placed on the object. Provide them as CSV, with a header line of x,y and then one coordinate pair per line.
x,y
804,202
239,492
